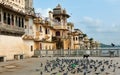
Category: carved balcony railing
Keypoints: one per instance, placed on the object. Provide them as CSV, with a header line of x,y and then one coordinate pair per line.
x,y
58,25
38,21
54,38
58,38
37,33
11,29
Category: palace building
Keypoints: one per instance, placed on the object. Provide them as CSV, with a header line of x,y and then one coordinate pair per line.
x,y
51,33
59,23
22,31
55,33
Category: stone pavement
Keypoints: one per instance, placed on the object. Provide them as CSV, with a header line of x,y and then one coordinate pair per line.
x,y
31,66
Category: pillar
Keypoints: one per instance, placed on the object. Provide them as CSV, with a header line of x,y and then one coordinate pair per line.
x,y
14,20
20,22
1,15
10,18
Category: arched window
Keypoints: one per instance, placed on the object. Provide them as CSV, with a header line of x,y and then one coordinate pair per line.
x,y
40,28
31,47
58,19
76,38
46,32
57,33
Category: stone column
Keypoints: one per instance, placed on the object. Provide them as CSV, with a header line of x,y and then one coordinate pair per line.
x,y
20,22
14,20
10,19
6,18
1,15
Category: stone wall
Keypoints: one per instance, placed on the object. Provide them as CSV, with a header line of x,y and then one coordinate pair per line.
x,y
12,45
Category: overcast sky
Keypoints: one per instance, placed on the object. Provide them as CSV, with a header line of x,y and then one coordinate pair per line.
x,y
99,19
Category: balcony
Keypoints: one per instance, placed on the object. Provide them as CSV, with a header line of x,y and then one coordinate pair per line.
x,y
57,25
60,27
58,38
86,41
47,37
37,33
38,21
28,37
54,38
36,38
11,29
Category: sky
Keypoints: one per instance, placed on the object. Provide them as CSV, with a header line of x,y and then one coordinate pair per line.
x,y
99,19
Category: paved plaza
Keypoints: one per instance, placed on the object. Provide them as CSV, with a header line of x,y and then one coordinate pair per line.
x,y
32,66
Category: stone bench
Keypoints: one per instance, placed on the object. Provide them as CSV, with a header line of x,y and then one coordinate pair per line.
x,y
2,58
18,56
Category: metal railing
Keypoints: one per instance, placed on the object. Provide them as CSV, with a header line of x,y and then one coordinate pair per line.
x,y
72,53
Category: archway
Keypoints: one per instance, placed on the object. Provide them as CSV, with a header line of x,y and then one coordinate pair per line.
x,y
58,19
57,33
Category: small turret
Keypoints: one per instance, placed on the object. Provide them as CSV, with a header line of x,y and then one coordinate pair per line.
x,y
60,15
29,7
58,6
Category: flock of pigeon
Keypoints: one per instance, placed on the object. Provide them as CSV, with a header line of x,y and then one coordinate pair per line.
x,y
84,66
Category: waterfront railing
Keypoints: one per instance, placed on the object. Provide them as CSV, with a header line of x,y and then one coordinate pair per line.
x,y
79,53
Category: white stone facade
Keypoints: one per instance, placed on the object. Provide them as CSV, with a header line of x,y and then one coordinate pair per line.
x,y
15,4
11,46
13,26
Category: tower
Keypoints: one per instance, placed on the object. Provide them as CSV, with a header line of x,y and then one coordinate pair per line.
x,y
29,10
29,7
60,15
60,20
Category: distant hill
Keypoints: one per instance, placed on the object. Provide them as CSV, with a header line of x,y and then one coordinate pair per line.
x,y
105,45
